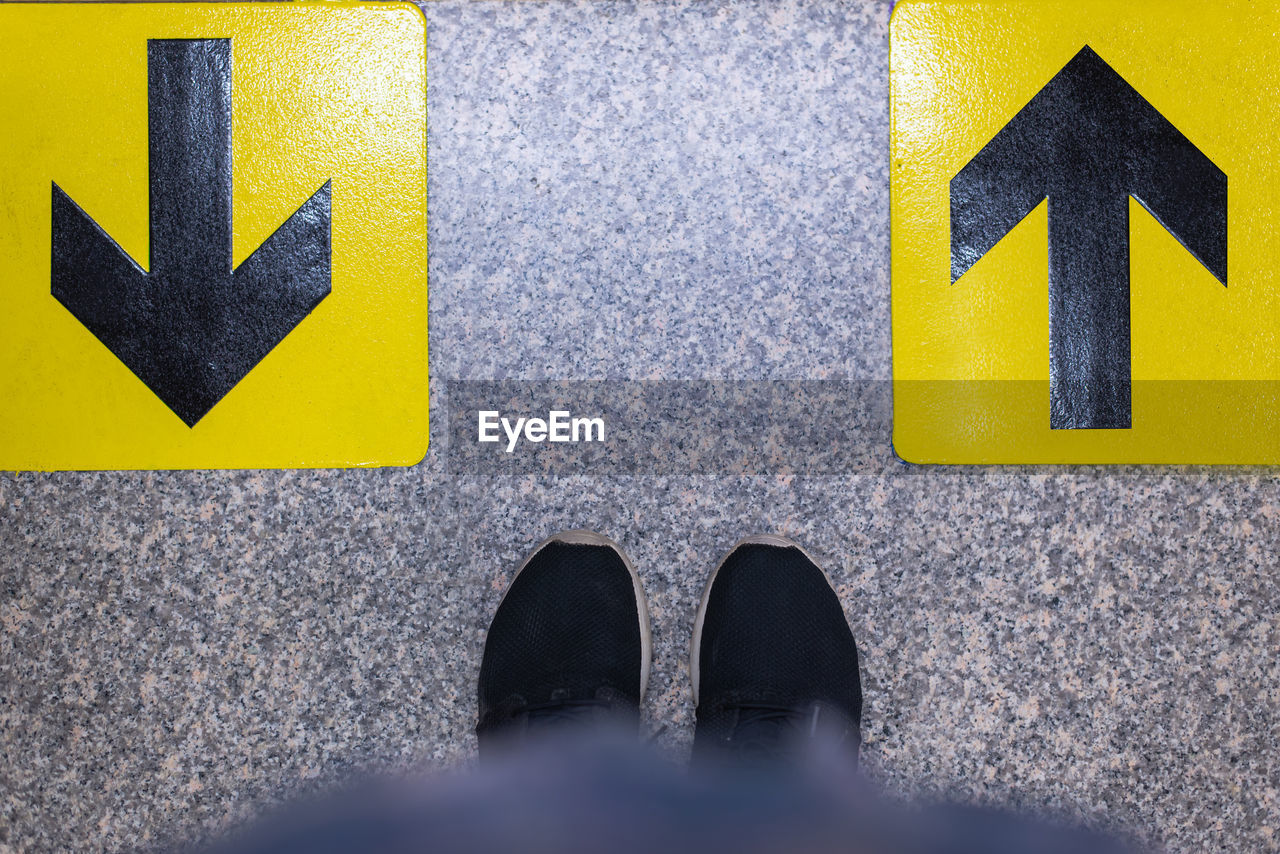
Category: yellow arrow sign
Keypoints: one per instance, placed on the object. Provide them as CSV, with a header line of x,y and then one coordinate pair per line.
x,y
1084,258
213,235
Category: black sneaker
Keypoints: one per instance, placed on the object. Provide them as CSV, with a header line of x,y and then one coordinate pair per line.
x,y
569,644
774,664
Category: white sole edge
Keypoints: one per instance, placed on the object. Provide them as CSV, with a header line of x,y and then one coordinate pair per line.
x,y
695,646
582,537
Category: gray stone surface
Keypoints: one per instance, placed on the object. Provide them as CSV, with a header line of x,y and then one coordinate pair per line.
x,y
692,190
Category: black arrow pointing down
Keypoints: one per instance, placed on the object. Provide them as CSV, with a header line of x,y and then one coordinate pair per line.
x,y
191,327
1088,141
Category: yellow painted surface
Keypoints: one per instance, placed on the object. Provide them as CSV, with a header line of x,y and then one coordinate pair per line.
x,y
971,359
321,92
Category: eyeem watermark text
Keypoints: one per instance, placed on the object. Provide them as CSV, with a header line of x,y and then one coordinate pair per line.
x,y
559,426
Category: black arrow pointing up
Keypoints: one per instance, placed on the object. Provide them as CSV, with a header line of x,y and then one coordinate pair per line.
x,y
191,327
1088,141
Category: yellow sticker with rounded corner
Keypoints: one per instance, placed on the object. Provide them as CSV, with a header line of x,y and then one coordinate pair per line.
x,y
213,235
1085,259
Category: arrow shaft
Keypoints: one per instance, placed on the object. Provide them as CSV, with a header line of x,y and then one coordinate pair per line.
x,y
1089,353
189,126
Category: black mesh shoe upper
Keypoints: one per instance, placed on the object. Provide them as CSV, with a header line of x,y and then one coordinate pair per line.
x,y
777,659
564,645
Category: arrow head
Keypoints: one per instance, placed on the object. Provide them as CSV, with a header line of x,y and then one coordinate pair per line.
x,y
82,251
191,340
1087,130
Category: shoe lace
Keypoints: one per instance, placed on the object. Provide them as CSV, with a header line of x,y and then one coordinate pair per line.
x,y
772,731
556,712
517,715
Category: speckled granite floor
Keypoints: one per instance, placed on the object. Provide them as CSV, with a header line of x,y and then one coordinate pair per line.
x,y
662,190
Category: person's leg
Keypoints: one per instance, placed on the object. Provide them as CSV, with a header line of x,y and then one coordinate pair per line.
x,y
775,670
568,645
774,664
